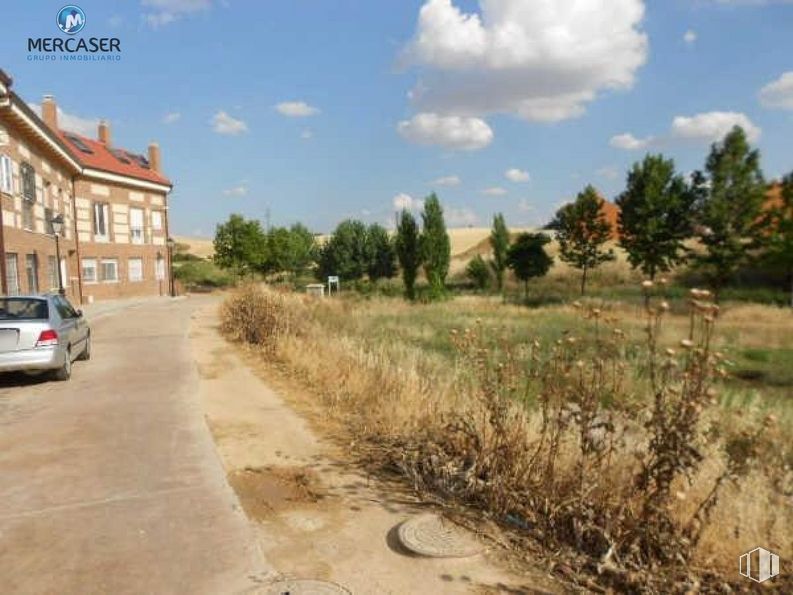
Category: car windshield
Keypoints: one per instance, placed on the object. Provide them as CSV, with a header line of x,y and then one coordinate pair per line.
x,y
23,309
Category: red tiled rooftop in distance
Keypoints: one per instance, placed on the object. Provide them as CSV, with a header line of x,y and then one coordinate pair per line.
x,y
104,160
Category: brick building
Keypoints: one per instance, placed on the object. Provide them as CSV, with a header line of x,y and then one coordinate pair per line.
x,y
113,204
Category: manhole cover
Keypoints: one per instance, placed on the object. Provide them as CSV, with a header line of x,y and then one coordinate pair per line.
x,y
304,587
430,535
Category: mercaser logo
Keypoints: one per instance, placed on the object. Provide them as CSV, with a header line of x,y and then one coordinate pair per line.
x,y
71,19
759,565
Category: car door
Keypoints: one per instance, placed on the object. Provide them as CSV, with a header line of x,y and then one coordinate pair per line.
x,y
81,324
69,325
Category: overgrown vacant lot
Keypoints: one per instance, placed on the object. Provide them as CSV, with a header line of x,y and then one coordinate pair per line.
x,y
649,441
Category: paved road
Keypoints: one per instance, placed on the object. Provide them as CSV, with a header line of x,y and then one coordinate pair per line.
x,y
110,483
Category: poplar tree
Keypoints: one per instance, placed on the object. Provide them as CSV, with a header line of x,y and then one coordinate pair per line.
x,y
499,242
408,251
435,246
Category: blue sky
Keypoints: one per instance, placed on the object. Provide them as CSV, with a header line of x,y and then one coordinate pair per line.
x,y
383,101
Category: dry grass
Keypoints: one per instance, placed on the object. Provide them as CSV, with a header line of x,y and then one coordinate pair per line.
x,y
466,414
201,247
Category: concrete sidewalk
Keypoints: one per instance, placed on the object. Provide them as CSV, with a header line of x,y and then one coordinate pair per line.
x,y
110,483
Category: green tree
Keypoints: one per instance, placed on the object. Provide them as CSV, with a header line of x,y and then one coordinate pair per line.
x,y
655,215
527,258
408,251
303,248
240,245
382,255
499,242
478,272
729,209
582,230
290,250
435,245
778,234
346,253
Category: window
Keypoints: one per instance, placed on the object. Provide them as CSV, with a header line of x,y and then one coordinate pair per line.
x,y
32,272
28,175
101,220
78,142
135,268
23,309
12,274
52,272
156,221
6,177
48,222
64,308
160,270
136,226
89,270
109,270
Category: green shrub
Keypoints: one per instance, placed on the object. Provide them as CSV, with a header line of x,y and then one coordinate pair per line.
x,y
478,272
202,274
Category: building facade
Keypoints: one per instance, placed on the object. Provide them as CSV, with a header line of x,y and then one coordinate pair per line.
x,y
113,205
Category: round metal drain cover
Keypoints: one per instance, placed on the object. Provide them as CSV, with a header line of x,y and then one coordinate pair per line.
x,y
304,587
431,535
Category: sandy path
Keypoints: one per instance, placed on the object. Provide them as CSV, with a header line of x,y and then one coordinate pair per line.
x,y
315,516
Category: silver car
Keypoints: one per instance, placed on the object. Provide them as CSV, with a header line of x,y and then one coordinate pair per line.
x,y
42,333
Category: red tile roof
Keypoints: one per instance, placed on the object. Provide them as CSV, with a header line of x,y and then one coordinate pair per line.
x,y
102,158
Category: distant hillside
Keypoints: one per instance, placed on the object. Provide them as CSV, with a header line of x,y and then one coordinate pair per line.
x,y
201,247
466,242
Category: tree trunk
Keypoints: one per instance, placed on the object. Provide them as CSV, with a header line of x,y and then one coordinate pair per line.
x,y
526,290
791,289
583,281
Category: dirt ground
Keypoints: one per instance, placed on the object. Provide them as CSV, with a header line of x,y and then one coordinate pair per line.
x,y
315,514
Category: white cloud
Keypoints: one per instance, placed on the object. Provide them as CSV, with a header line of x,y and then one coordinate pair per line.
x,y
171,117
459,217
404,201
517,175
690,37
222,123
236,191
778,93
542,60
494,191
712,126
296,109
164,12
524,206
453,132
629,142
307,134
609,172
447,181
705,127
71,122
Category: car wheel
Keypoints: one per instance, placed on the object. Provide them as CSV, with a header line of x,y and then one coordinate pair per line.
x,y
65,371
86,354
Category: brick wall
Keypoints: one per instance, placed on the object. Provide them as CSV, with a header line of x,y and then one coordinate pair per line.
x,y
25,234
133,245
123,240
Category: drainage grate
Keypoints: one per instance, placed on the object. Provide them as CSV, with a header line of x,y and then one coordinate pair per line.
x,y
431,535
